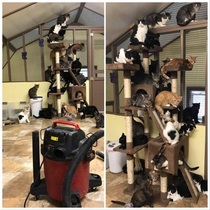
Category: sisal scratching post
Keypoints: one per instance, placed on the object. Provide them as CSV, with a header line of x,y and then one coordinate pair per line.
x,y
145,61
57,63
174,88
163,186
129,128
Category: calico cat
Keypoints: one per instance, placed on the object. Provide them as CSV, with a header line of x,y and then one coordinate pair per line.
x,y
138,128
69,109
187,13
99,120
151,40
166,98
46,113
142,100
155,20
190,114
189,62
201,185
88,110
124,56
146,79
76,66
24,115
153,66
32,92
137,140
171,133
138,35
76,47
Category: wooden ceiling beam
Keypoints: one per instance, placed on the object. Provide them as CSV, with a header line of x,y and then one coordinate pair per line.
x,y
11,47
17,10
81,7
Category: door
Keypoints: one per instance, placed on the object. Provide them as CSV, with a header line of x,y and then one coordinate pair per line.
x,y
97,69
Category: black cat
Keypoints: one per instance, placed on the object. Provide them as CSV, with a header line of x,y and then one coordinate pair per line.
x,y
46,113
54,89
153,66
49,75
137,140
151,40
76,66
187,13
88,110
190,114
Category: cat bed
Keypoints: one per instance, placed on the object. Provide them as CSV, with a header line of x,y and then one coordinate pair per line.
x,y
171,153
122,66
76,89
56,45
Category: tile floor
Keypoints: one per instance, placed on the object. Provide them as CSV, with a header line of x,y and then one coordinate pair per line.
x,y
117,183
17,168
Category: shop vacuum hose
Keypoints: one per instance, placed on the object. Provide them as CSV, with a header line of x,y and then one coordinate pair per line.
x,y
70,198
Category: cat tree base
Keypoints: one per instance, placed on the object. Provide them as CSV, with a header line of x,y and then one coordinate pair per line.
x,y
158,197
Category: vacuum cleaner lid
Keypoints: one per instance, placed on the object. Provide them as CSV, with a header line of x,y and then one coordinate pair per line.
x,y
61,141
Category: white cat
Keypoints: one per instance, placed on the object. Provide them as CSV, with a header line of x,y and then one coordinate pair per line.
x,y
124,56
174,196
170,133
23,116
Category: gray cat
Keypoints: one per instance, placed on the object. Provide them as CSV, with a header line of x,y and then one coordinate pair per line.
x,y
141,100
32,92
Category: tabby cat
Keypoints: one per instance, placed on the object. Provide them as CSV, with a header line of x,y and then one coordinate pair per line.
x,y
141,100
99,120
32,92
187,13
166,98
189,62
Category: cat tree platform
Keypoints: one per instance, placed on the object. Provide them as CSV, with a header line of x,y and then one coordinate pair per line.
x,y
141,49
176,68
122,67
59,45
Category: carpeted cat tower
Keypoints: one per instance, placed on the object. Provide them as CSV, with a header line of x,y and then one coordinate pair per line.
x,y
154,145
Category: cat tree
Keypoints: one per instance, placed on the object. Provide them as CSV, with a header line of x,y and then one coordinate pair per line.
x,y
171,152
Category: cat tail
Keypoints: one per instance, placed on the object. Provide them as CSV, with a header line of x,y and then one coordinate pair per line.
x,y
163,72
35,116
189,168
118,202
159,108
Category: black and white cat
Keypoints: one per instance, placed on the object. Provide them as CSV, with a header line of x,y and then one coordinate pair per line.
x,y
171,133
159,162
187,13
138,35
201,184
186,128
124,56
23,117
155,20
88,110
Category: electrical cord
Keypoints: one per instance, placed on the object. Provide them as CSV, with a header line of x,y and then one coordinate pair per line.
x,y
35,180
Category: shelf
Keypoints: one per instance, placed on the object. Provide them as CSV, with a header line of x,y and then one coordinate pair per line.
x,y
56,94
122,67
133,108
176,68
141,49
60,69
130,151
57,45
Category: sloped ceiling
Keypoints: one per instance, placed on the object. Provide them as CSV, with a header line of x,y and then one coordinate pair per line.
x,y
19,17
120,16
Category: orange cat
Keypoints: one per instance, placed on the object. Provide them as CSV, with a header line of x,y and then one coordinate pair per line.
x,y
166,98
70,109
179,61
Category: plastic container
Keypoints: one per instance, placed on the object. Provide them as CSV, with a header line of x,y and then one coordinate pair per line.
x,y
116,159
36,105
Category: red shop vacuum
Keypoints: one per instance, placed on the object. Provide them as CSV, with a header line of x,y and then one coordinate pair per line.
x,y
66,158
